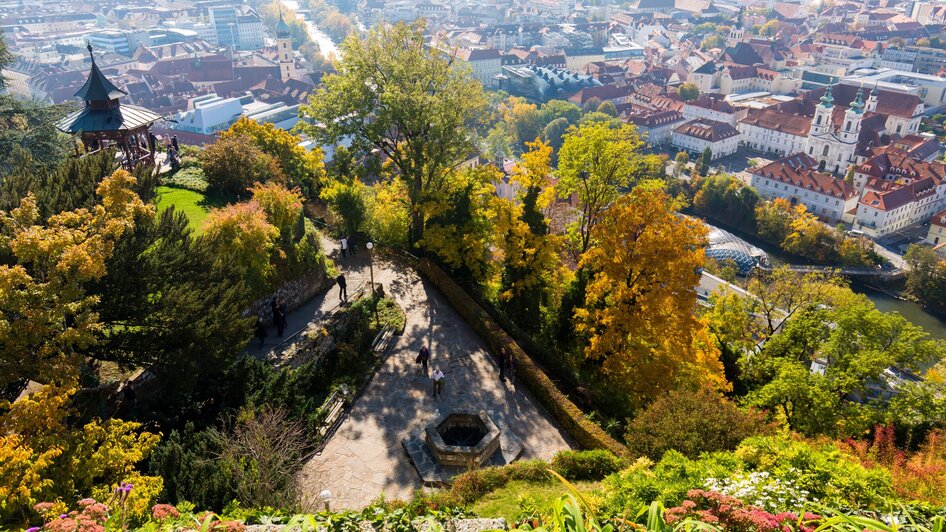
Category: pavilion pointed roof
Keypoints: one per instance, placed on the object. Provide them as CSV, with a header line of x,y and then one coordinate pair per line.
x,y
97,87
103,113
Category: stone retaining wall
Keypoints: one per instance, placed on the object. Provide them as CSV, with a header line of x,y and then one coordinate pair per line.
x,y
293,293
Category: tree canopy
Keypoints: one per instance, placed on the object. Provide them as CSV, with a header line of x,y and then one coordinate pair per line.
x,y
410,101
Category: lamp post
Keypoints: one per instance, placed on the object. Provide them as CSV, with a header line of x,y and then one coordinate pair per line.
x,y
374,300
325,497
369,245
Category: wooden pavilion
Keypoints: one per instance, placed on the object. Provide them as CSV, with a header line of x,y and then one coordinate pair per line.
x,y
104,122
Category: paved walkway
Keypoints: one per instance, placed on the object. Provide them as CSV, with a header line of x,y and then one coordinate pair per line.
x,y
364,458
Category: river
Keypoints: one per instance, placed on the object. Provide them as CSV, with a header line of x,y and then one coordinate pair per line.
x,y
327,46
909,310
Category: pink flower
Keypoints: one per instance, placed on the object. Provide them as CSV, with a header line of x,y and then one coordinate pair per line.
x,y
86,502
164,511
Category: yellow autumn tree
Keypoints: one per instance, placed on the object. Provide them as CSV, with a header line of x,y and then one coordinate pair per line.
x,y
241,235
530,255
459,221
44,458
45,313
639,313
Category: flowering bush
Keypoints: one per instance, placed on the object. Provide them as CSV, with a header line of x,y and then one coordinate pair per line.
x,y
919,476
764,490
732,514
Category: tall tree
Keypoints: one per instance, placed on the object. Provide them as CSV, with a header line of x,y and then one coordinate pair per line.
x,y
530,254
638,314
46,311
703,165
395,94
179,315
596,163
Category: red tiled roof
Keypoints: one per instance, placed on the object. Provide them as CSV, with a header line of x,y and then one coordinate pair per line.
x,y
888,199
709,130
801,171
777,121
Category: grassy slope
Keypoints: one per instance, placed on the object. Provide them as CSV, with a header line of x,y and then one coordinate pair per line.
x,y
194,204
504,502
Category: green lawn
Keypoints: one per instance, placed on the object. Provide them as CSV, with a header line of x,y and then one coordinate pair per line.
x,y
504,502
194,204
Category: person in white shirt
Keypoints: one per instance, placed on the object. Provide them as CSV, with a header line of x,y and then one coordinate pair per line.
x,y
438,382
343,242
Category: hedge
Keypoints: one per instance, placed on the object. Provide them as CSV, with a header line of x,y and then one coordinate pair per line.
x,y
570,417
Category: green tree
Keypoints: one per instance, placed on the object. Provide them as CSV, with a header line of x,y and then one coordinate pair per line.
x,y
596,163
689,91
348,198
554,132
703,166
498,144
680,162
180,315
727,199
28,134
855,342
769,29
926,277
459,231
302,168
608,108
555,109
713,41
395,94
6,59
591,105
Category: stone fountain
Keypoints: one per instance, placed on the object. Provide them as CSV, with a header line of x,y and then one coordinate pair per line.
x,y
457,441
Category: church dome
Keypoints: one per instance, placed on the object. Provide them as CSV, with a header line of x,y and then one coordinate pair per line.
x,y
282,29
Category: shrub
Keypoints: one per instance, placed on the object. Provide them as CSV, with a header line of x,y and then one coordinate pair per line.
x,y
819,469
233,164
189,178
587,465
572,419
679,421
668,481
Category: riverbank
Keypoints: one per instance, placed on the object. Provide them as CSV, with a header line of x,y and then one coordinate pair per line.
x,y
884,297
327,47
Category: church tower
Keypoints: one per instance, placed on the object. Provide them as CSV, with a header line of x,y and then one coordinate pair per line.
x,y
872,101
821,123
852,119
287,64
737,33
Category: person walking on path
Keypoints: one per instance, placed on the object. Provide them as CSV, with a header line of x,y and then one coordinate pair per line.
x,y
502,364
260,330
343,243
423,358
342,287
283,322
279,316
510,365
438,383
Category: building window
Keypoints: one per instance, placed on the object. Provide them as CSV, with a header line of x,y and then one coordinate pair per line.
x,y
824,152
